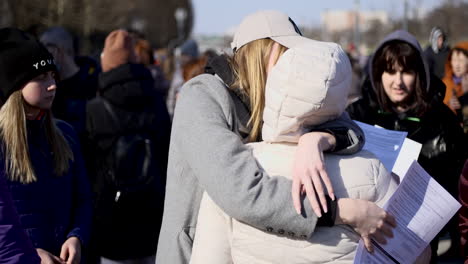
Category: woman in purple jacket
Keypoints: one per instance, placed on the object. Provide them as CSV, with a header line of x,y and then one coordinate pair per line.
x,y
40,157
15,247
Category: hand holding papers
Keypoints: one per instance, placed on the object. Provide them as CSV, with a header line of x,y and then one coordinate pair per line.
x,y
421,207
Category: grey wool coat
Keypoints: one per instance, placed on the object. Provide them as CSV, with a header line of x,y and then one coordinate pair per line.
x,y
207,153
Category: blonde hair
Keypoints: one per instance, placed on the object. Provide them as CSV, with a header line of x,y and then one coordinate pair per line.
x,y
14,136
249,64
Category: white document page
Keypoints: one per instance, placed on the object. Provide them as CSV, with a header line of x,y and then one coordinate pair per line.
x,y
384,143
409,152
421,207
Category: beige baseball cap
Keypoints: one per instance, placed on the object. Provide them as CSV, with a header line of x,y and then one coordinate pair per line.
x,y
267,24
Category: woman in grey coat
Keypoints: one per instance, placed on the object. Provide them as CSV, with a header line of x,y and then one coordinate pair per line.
x,y
215,116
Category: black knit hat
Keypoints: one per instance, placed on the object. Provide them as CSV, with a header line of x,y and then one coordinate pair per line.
x,y
22,58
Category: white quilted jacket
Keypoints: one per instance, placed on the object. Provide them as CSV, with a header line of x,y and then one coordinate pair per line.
x,y
307,86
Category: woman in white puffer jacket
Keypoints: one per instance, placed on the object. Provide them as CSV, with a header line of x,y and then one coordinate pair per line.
x,y
307,86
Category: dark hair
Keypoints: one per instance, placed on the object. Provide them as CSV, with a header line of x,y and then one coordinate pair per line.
x,y
460,50
401,54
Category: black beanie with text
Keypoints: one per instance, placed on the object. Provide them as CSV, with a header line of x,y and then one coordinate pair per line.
x,y
22,58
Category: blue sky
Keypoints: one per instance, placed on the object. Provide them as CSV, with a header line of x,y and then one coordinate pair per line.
x,y
218,16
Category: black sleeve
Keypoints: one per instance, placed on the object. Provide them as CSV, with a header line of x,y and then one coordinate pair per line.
x,y
328,218
342,137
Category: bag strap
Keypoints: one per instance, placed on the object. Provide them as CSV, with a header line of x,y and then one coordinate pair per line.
x,y
110,110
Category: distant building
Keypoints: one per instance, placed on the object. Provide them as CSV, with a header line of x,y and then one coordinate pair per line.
x,y
418,13
345,20
218,43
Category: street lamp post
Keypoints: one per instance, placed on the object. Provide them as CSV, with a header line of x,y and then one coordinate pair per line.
x,y
405,15
357,30
180,15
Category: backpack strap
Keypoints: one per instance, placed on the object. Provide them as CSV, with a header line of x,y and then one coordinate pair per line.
x,y
109,108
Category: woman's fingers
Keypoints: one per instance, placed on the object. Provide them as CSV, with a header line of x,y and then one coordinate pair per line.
x,y
311,183
296,195
386,229
368,244
303,185
64,252
311,196
378,236
390,219
317,185
327,182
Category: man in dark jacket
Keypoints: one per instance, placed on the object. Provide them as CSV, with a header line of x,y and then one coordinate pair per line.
x,y
436,52
128,111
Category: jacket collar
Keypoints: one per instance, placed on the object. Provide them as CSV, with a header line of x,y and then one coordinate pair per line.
x,y
219,65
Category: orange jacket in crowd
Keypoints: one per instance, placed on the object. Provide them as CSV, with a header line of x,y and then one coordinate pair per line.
x,y
451,86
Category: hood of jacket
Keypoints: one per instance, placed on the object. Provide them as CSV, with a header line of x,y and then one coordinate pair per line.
x,y
404,36
437,32
308,86
219,65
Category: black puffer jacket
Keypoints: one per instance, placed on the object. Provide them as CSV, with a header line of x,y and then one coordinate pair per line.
x,y
130,232
443,150
436,61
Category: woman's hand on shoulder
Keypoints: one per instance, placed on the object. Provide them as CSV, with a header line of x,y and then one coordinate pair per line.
x,y
309,173
367,219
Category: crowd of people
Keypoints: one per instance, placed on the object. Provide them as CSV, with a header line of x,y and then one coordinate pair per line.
x,y
249,157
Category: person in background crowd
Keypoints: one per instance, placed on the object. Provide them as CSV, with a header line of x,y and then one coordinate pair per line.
x,y
210,54
164,58
41,158
78,79
194,68
15,246
356,75
129,127
456,81
404,96
188,52
436,52
290,105
215,116
144,55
